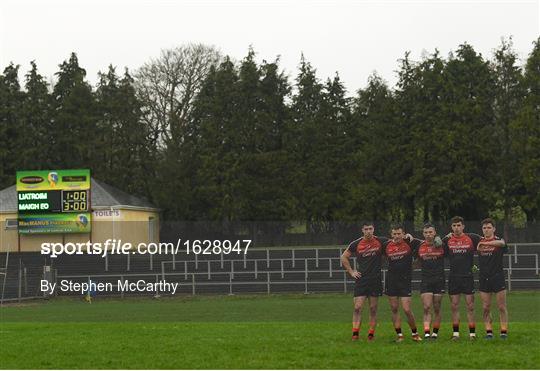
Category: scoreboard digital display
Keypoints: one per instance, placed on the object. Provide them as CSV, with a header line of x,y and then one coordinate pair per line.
x,y
74,201
54,201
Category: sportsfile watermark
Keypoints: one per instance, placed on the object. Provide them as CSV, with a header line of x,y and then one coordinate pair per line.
x,y
114,247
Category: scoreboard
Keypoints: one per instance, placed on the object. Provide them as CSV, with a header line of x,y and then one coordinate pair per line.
x,y
54,201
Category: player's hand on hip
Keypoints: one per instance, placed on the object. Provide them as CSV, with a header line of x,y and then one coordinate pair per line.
x,y
355,274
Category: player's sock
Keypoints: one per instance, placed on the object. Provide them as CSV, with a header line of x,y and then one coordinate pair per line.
x,y
455,328
504,332
398,331
414,331
436,329
472,330
371,333
355,331
489,333
426,332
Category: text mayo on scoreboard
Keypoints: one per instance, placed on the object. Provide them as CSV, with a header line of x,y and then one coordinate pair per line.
x,y
54,201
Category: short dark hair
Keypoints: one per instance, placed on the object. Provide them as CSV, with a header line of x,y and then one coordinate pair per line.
x,y
367,223
457,219
429,225
488,221
397,226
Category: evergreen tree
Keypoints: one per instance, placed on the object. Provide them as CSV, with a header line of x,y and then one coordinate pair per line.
x,y
36,122
419,98
124,155
303,142
526,137
74,133
12,139
509,95
375,180
468,108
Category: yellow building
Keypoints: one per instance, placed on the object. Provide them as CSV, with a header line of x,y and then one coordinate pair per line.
x,y
115,215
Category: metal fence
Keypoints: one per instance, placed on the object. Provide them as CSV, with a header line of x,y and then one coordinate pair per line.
x,y
291,273
309,270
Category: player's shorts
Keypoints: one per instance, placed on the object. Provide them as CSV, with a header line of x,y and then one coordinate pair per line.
x,y
434,285
461,285
494,283
368,286
398,286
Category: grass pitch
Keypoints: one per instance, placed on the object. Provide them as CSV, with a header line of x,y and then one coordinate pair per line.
x,y
249,332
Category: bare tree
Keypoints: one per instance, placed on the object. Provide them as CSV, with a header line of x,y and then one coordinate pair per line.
x,y
167,86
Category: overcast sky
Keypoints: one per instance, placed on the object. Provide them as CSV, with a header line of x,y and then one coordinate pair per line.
x,y
354,38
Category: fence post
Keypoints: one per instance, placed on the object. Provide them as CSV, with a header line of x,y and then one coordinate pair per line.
x,y
193,284
208,261
20,280
267,258
25,282
173,261
317,258
255,261
282,272
305,276
222,259
230,284
129,261
267,282
293,259
509,281
536,262
121,292
196,261
330,266
515,253
185,270
244,261
232,268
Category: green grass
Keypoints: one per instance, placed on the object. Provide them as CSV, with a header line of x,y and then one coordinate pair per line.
x,y
246,332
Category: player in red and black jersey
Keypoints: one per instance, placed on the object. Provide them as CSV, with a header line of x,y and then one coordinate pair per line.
x,y
399,253
431,255
490,261
367,275
460,248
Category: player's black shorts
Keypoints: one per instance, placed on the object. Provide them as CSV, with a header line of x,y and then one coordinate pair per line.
x,y
368,286
398,286
434,285
494,283
461,285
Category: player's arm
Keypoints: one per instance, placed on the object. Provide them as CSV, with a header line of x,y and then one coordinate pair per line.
x,y
383,240
444,244
347,264
498,242
415,243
